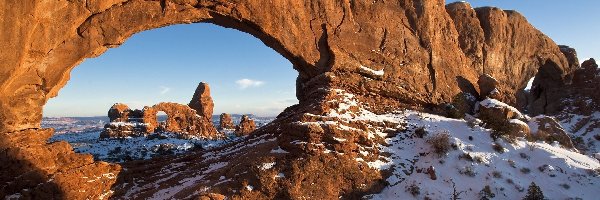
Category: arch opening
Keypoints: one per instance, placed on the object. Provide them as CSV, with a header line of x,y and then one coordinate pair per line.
x,y
246,78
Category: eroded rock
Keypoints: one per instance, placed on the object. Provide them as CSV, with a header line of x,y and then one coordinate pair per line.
x,y
548,129
389,54
225,121
246,126
202,101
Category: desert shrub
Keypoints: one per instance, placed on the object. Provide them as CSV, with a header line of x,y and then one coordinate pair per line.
x,y
440,143
459,106
455,192
420,132
413,189
597,137
534,193
525,170
486,193
509,181
566,186
470,138
497,174
468,170
498,147
512,163
524,155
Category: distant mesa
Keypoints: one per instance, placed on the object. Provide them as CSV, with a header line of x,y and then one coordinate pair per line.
x,y
186,121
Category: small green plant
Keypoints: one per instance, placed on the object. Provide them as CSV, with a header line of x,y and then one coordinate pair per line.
x,y
534,192
486,193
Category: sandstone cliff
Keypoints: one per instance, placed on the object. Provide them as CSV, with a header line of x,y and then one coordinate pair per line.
x,y
386,55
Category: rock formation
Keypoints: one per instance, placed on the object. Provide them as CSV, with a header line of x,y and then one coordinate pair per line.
x,y
119,113
488,86
386,55
549,130
202,101
246,126
225,121
180,119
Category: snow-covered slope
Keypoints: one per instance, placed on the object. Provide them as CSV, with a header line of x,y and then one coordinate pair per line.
x,y
473,162
136,148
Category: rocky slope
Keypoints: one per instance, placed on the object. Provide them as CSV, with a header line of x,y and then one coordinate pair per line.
x,y
352,57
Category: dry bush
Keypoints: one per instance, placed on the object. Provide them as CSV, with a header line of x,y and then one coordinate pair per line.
x,y
440,143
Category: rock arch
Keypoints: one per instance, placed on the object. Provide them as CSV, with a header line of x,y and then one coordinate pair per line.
x,y
390,54
180,118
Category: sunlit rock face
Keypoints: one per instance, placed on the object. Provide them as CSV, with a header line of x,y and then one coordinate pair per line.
x,y
385,54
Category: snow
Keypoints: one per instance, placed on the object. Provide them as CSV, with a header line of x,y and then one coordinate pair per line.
x,y
527,156
371,71
508,174
135,148
339,139
267,166
493,103
529,84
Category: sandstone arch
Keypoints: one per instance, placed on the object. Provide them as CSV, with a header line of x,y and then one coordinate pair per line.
x,y
416,47
180,118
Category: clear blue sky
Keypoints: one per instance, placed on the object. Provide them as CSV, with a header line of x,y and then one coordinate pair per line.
x,y
246,76
166,64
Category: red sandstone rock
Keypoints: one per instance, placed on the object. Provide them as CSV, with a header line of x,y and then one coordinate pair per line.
x,y
246,126
202,101
225,121
488,86
180,119
119,113
390,54
548,129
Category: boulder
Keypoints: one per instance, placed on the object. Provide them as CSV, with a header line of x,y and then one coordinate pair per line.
x,y
518,128
202,102
246,126
547,129
488,86
502,118
225,121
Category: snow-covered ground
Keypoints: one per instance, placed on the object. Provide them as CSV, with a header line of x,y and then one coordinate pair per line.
x,y
474,164
136,148
474,161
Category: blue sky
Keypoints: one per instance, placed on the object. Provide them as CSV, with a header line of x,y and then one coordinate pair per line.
x,y
166,64
245,76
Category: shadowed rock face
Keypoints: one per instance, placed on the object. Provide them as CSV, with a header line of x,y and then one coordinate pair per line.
x,y
389,54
